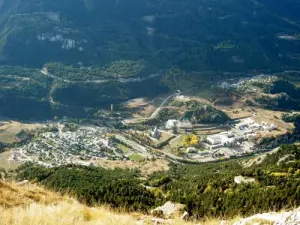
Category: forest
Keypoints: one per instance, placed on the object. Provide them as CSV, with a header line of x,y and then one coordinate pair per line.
x,y
231,35
206,189
285,95
182,44
91,185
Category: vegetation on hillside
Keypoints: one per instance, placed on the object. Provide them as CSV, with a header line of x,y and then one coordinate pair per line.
x,y
280,95
89,40
201,113
17,202
91,185
209,189
206,189
231,35
117,69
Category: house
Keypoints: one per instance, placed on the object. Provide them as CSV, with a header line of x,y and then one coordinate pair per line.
x,y
191,150
155,133
171,124
242,126
214,139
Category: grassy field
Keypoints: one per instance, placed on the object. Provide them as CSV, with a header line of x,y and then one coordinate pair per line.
x,y
176,142
9,131
136,157
123,148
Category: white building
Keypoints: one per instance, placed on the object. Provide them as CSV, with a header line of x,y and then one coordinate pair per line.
x,y
214,139
181,98
155,133
191,150
170,124
222,139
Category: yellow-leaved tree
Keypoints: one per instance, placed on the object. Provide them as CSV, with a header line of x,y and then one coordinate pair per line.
x,y
190,140
194,140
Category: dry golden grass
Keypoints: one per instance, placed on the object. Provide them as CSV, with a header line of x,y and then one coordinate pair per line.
x,y
12,195
33,205
63,213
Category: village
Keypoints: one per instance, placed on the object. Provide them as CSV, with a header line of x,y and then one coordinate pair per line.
x,y
52,145
180,127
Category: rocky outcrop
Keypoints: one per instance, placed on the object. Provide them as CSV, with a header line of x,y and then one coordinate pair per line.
x,y
168,210
283,218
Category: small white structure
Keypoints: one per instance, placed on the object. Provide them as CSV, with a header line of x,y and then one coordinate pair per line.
x,y
170,124
242,126
249,121
155,133
241,179
181,98
191,150
273,127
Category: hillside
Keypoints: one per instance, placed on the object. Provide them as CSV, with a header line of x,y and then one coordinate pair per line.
x,y
231,35
218,190
24,204
20,204
51,208
270,183
101,53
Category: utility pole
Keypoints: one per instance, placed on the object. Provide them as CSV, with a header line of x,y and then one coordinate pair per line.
x,y
111,108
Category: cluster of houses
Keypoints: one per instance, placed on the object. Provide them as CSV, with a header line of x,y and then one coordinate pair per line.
x,y
238,135
262,78
249,126
64,147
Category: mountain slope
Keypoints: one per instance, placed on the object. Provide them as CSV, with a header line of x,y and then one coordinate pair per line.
x,y
231,35
29,204
107,52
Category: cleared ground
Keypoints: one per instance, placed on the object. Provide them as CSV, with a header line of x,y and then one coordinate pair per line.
x,y
137,102
164,136
6,163
10,131
146,167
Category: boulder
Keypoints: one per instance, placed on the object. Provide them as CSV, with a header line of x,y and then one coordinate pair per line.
x,y
168,210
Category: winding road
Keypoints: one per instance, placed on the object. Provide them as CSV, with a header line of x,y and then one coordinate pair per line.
x,y
122,80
